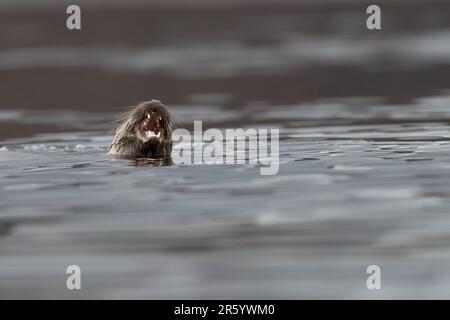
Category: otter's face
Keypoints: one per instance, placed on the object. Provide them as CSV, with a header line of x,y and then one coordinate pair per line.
x,y
152,122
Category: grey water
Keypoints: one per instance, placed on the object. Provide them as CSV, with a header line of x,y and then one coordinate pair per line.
x,y
360,183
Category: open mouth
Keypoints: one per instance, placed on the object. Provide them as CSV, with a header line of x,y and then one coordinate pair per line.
x,y
150,127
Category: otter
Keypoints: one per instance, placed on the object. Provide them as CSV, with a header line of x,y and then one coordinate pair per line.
x,y
144,132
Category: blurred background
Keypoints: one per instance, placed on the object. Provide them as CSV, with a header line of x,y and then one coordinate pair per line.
x,y
364,149
243,52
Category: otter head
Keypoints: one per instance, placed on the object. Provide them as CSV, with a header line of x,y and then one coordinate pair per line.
x,y
152,122
145,131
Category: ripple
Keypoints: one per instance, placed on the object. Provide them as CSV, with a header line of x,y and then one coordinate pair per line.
x,y
345,193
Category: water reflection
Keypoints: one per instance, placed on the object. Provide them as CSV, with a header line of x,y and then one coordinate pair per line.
x,y
144,162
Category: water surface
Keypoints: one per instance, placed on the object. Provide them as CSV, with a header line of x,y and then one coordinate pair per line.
x,y
360,183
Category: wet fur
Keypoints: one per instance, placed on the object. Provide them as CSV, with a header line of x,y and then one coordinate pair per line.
x,y
128,141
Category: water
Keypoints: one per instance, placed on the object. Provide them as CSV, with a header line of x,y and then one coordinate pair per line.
x,y
360,183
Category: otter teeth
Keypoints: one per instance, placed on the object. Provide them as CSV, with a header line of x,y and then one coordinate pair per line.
x,y
150,134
